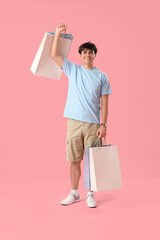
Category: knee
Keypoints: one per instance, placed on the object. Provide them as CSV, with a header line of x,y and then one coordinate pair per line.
x,y
75,164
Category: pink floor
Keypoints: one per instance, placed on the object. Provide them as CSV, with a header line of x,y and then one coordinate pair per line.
x,y
32,210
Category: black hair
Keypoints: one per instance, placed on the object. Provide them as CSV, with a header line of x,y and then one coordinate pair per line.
x,y
88,45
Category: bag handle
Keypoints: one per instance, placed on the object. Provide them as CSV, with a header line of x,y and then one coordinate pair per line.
x,y
99,142
105,141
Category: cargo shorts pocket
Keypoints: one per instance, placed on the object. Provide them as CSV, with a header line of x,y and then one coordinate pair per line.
x,y
74,148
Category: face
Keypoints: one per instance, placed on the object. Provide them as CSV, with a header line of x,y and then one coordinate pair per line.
x,y
87,56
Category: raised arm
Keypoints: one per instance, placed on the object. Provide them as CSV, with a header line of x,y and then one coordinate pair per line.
x,y
54,53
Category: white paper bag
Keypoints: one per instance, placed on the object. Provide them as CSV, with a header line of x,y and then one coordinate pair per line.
x,y
43,64
102,168
105,168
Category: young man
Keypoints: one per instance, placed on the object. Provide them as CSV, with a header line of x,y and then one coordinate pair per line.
x,y
87,86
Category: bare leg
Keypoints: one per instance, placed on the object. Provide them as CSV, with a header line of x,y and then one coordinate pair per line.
x,y
75,173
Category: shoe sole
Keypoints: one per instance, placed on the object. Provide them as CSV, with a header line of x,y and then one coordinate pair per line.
x,y
91,206
65,204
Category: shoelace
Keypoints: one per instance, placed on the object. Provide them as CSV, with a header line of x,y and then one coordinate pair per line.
x,y
90,195
74,195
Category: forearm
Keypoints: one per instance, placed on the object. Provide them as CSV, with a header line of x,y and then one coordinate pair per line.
x,y
104,112
54,52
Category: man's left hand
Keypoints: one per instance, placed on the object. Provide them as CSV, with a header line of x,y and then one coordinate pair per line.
x,y
101,132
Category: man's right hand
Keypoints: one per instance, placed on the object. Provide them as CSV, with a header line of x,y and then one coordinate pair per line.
x,y
60,28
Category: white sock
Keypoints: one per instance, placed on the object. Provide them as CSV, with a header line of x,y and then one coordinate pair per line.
x,y
75,192
90,193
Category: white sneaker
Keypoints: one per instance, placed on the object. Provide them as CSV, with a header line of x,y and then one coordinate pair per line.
x,y
72,198
91,201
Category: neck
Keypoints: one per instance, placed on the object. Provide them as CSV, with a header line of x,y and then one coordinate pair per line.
x,y
88,66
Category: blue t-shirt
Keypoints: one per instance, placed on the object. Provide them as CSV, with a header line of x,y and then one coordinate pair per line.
x,y
84,91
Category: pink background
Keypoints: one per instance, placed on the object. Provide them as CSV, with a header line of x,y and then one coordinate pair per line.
x,y
34,175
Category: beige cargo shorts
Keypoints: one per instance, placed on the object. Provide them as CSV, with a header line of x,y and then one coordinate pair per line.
x,y
79,135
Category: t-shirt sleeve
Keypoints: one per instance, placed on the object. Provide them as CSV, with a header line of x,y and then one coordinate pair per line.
x,y
67,67
105,87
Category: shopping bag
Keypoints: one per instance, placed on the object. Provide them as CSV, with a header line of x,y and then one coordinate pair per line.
x,y
102,168
43,64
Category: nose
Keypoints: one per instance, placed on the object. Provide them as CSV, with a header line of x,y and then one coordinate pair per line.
x,y
87,54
